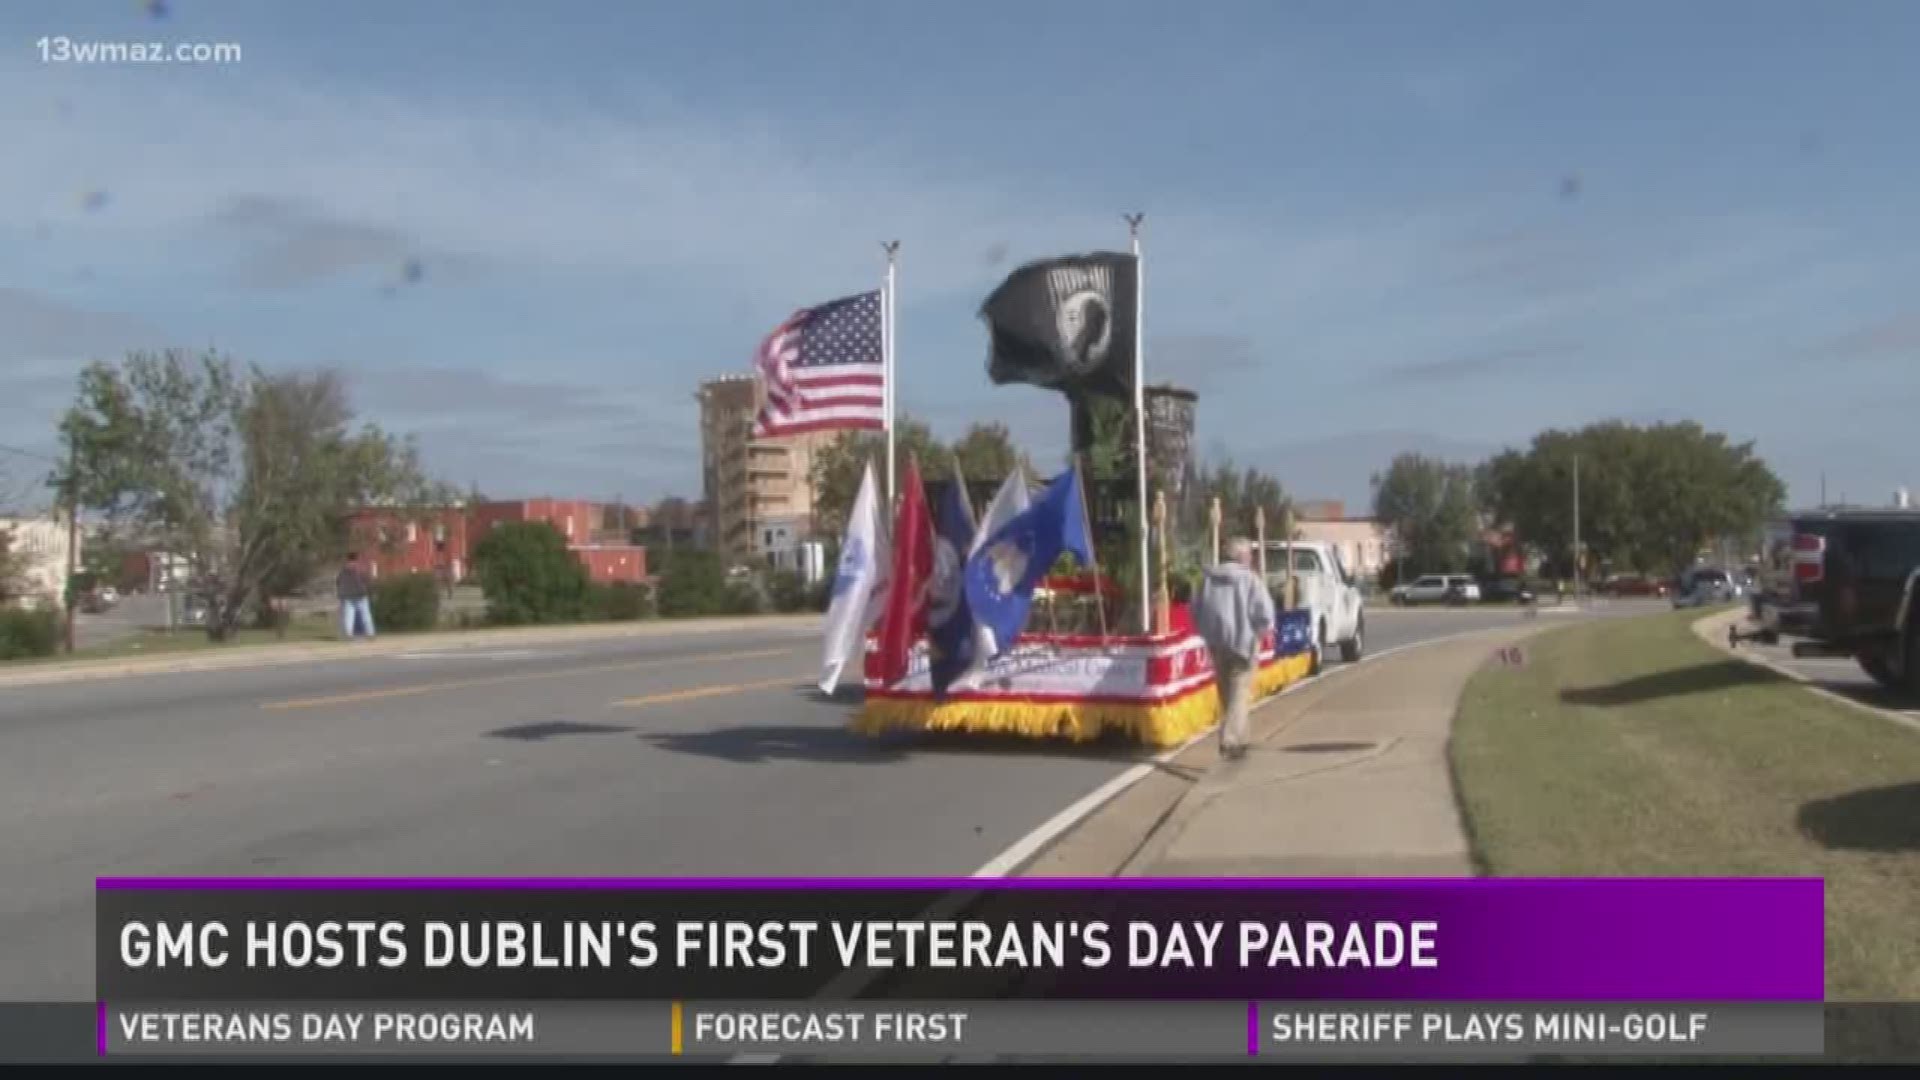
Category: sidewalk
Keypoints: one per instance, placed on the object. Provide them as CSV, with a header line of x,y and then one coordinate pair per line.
x,y
225,658
1348,778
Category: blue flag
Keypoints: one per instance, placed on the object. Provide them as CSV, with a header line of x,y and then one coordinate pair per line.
x,y
1001,576
949,622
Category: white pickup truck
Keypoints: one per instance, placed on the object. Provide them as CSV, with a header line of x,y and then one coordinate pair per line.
x,y
1321,585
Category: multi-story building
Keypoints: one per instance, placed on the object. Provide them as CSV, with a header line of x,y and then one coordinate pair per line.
x,y
759,492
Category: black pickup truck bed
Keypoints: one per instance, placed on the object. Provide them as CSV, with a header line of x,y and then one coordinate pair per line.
x,y
1846,586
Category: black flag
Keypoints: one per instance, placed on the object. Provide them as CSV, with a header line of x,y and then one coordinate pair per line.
x,y
1066,324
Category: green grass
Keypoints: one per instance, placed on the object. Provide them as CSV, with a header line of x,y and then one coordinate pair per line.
x,y
1630,747
189,639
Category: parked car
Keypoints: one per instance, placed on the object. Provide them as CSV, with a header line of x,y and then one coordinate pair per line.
x,y
1704,586
1323,586
1437,589
1853,591
1506,590
1634,585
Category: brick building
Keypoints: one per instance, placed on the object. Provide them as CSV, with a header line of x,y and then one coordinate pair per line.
x,y
393,544
442,541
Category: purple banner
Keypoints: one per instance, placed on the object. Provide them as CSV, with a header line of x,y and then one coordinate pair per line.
x,y
1668,940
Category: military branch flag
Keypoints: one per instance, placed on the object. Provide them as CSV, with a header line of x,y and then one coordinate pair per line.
x,y
909,581
859,586
1066,324
1001,576
825,369
1008,503
949,624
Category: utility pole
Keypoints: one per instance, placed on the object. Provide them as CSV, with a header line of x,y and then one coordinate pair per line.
x,y
73,531
1576,528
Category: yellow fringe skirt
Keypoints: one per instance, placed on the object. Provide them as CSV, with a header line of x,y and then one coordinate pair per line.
x,y
1162,723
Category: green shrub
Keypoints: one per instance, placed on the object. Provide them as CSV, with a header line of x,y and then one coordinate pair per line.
x,y
691,584
408,602
743,598
623,601
529,576
788,591
28,633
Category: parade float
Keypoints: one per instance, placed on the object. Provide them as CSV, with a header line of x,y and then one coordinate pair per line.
x,y
1153,689
1102,656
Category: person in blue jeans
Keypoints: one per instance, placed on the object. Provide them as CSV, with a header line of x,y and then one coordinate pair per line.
x,y
352,589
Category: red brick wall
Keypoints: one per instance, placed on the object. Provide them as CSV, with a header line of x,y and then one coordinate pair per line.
x,y
610,563
402,554
391,544
577,515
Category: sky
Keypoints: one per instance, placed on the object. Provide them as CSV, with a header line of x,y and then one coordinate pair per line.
x,y
526,231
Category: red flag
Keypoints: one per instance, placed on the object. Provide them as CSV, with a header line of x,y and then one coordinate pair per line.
x,y
906,615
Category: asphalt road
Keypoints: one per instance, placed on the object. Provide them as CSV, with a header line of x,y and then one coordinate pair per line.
x,y
703,754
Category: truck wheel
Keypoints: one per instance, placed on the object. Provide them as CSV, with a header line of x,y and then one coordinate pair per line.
x,y
1913,661
1880,671
1351,648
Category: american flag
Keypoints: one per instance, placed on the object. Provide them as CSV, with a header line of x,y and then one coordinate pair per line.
x,y
825,368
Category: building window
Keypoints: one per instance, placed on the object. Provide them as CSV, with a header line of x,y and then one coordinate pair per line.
x,y
413,532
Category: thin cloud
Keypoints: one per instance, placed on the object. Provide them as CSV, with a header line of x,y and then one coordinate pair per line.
x,y
35,327
1473,365
1894,335
290,244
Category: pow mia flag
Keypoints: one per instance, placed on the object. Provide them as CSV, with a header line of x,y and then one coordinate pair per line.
x,y
1066,324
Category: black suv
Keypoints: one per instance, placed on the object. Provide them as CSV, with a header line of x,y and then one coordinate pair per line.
x,y
1848,584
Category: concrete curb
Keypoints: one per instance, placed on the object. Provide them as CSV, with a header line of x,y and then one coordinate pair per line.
x,y
1713,630
254,656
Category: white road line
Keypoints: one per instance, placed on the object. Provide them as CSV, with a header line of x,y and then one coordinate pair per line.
x,y
469,654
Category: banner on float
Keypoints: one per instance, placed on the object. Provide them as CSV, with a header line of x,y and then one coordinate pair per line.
x,y
1144,670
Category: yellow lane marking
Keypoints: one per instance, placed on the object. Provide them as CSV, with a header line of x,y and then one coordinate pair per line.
x,y
721,690
355,696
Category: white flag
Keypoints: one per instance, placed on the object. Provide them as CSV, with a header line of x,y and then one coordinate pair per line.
x,y
859,584
1008,503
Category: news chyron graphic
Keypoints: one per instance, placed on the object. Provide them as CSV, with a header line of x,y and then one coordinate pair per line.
x,y
1110,969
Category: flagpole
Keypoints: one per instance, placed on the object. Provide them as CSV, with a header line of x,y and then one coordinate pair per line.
x,y
1140,413
1099,598
887,344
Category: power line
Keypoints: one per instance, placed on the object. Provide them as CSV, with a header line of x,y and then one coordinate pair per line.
x,y
29,453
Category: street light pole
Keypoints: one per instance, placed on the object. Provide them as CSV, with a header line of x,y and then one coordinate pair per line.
x,y
1576,529
73,532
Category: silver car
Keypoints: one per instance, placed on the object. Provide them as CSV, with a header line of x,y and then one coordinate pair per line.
x,y
1705,586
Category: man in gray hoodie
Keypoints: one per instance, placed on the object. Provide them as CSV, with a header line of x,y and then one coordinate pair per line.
x,y
1232,613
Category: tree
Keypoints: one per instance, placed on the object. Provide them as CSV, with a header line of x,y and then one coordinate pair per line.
x,y
1243,493
528,575
837,468
250,477
987,453
1430,507
1651,498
